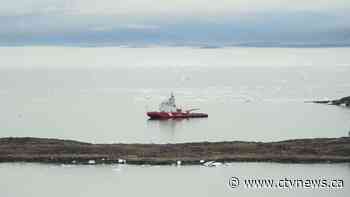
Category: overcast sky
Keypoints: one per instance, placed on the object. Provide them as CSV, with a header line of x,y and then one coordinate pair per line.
x,y
183,22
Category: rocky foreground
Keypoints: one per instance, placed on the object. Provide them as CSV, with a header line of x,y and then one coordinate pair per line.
x,y
342,101
74,152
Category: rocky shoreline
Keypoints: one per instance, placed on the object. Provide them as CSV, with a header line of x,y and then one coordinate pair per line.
x,y
342,101
317,150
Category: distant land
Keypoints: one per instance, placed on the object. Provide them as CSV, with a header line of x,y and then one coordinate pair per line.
x,y
202,46
249,28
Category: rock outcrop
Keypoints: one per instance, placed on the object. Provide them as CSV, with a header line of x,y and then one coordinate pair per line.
x,y
343,101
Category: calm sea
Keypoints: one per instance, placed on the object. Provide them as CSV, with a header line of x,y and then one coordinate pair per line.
x,y
101,95
32,180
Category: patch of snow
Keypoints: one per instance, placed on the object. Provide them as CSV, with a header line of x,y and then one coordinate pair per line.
x,y
212,164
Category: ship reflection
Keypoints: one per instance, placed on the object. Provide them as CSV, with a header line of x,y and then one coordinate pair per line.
x,y
168,125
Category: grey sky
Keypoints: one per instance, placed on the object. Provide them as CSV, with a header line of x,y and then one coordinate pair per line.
x,y
173,21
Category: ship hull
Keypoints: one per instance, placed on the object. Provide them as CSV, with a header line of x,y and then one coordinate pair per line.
x,y
171,115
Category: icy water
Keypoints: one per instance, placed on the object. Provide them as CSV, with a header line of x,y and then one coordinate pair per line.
x,y
127,180
101,94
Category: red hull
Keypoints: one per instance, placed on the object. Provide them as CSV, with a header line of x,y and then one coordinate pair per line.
x,y
169,115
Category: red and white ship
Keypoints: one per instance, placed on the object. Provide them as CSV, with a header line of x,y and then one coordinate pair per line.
x,y
168,110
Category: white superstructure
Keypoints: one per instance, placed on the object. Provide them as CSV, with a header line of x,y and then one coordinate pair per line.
x,y
168,105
